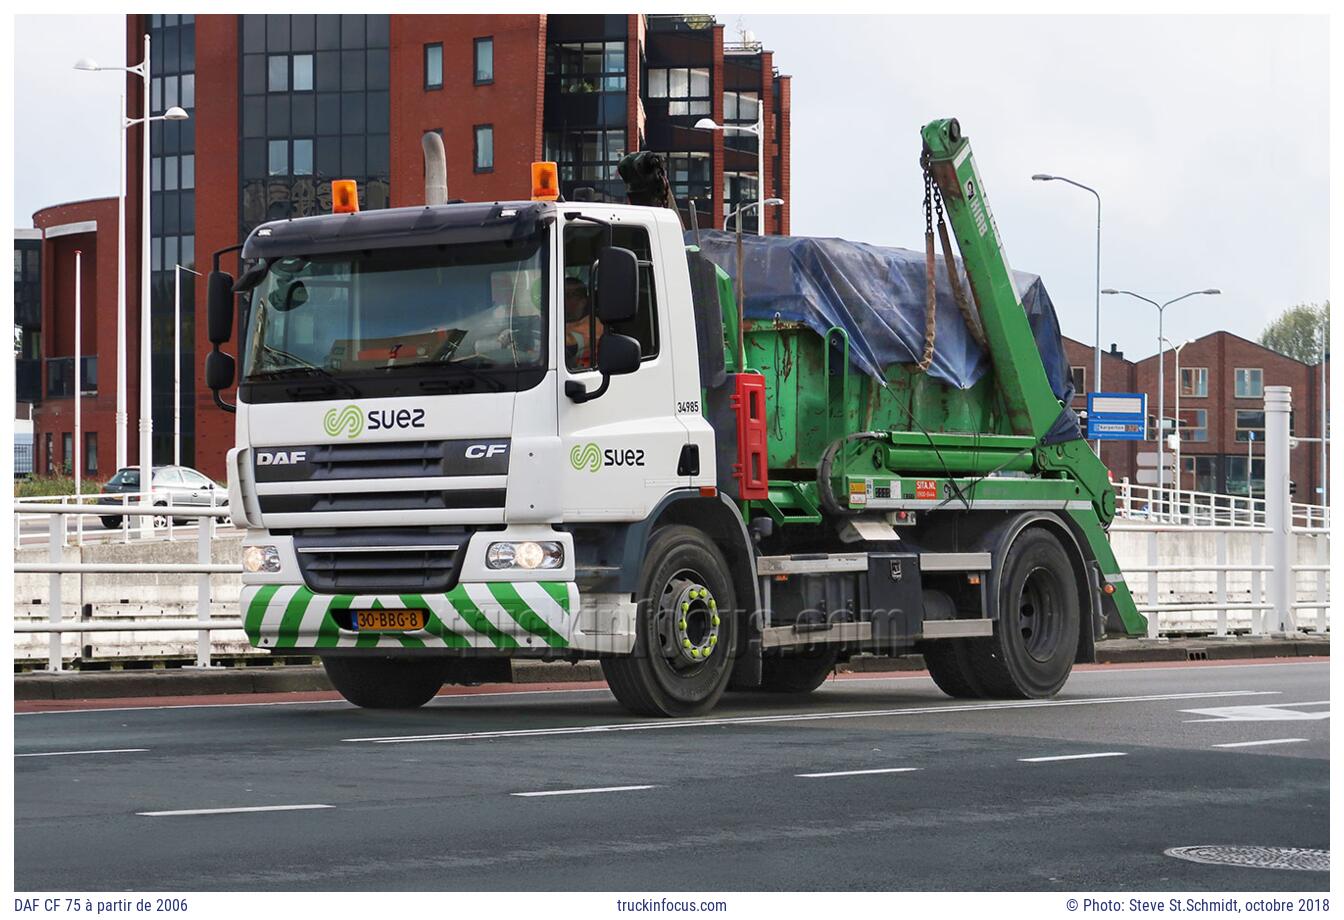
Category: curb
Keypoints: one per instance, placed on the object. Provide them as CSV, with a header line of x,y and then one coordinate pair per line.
x,y
77,685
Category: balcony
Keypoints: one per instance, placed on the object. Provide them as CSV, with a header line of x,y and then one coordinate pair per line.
x,y
61,377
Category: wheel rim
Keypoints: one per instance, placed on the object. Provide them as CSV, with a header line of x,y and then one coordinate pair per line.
x,y
1040,620
687,623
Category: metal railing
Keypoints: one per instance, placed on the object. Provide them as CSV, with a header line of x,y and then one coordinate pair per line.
x,y
56,567
109,504
1206,509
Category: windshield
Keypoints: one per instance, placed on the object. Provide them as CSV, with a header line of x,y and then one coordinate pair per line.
x,y
125,477
465,308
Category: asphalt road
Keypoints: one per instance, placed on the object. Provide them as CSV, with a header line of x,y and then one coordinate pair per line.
x,y
877,783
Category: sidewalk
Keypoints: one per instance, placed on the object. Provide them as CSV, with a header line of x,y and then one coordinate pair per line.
x,y
76,685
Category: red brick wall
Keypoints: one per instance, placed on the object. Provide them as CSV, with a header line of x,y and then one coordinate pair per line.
x,y
513,103
217,219
783,141
716,102
99,332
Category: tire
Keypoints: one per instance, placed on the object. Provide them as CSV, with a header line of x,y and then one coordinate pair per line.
x,y
1035,640
682,658
111,523
798,673
160,521
385,683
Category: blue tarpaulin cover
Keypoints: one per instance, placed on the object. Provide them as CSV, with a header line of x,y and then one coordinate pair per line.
x,y
876,294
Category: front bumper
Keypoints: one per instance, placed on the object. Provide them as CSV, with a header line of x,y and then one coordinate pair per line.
x,y
534,617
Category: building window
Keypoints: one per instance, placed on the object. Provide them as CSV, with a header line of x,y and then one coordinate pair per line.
x,y
91,453
303,156
303,73
1250,383
587,67
67,453
1195,381
1079,375
277,158
741,108
51,455
485,148
686,89
485,60
1250,421
434,66
1204,471
1194,425
586,155
277,73
1236,476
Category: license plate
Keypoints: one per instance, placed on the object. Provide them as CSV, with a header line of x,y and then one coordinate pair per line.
x,y
389,620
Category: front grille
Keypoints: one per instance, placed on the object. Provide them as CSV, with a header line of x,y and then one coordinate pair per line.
x,y
454,499
382,460
380,560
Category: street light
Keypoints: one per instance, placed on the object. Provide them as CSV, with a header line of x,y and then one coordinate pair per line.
x,y
1096,348
1161,373
751,205
175,113
177,360
1177,432
758,129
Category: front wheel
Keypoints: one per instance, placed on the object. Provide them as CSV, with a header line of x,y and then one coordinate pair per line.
x,y
685,629
386,683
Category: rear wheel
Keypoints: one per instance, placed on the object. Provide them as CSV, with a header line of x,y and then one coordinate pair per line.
x,y
111,522
1035,638
798,673
685,630
386,683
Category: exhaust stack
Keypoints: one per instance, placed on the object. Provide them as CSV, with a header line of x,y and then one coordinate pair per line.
x,y
436,169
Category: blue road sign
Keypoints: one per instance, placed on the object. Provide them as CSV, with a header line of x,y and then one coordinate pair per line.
x,y
1117,416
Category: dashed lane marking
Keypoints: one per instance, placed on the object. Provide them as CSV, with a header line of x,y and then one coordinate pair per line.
x,y
858,772
799,717
1237,744
548,792
228,811
1057,757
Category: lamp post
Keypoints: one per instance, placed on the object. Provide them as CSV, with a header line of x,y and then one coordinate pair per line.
x,y
1177,432
758,129
750,206
741,312
175,113
177,360
1096,348
1161,375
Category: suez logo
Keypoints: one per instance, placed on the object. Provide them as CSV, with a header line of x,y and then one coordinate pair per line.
x,y
592,458
351,422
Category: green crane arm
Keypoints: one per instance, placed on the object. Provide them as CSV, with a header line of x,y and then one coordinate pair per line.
x,y
1030,404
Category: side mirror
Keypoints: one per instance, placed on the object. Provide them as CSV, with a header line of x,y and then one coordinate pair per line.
x,y
617,285
219,370
617,354
219,308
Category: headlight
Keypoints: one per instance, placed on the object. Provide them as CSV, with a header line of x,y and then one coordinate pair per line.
x,y
261,559
527,554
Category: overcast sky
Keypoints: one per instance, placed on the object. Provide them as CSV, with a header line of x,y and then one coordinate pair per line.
x,y
1207,138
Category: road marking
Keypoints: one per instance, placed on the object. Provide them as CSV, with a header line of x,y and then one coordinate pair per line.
x,y
530,795
858,772
797,717
1283,712
71,753
1232,744
228,811
1071,757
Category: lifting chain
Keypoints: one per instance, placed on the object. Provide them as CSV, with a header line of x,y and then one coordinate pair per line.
x,y
933,201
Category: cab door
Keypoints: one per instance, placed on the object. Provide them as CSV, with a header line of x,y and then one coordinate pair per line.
x,y
621,450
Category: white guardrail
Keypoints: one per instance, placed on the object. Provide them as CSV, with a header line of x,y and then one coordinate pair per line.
x,y
1206,509
56,566
163,524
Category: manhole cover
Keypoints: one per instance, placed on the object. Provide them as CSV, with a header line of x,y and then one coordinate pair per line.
x,y
1296,858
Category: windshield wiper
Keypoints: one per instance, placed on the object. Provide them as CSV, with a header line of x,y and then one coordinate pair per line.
x,y
306,369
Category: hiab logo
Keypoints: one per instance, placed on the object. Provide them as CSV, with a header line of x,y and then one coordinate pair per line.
x,y
586,455
348,419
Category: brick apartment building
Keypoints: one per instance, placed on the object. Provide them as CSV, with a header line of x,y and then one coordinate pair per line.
x,y
282,104
1222,381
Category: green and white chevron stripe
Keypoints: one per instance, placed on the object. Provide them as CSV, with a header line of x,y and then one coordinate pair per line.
x,y
491,615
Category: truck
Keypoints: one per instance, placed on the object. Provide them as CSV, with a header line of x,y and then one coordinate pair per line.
x,y
471,432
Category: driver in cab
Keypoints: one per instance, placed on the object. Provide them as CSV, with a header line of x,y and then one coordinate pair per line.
x,y
581,328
